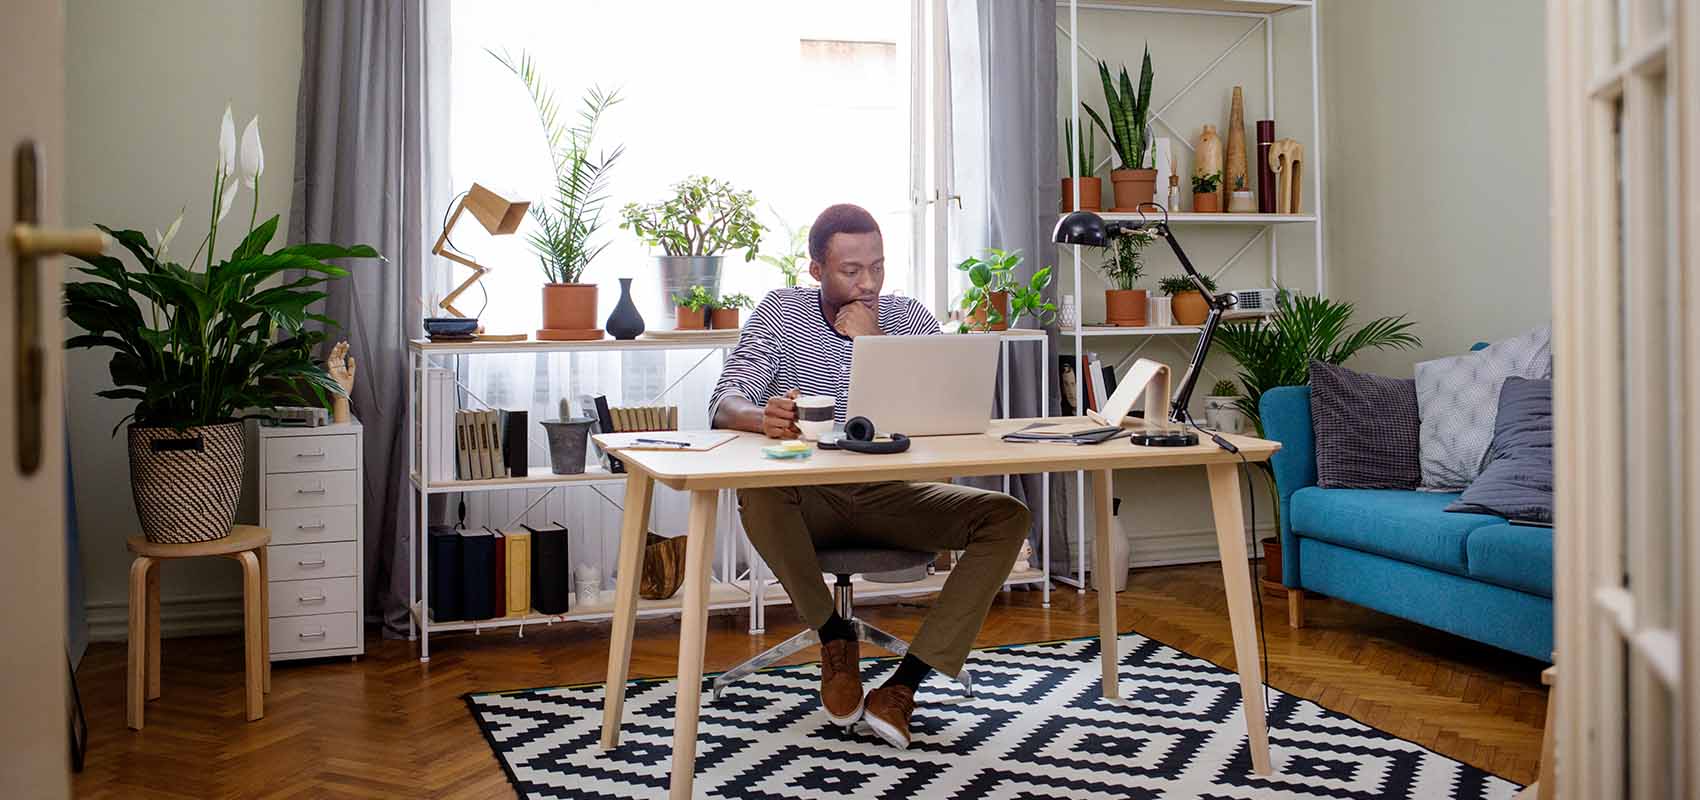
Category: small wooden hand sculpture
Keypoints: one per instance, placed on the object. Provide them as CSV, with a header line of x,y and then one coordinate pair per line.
x,y
341,368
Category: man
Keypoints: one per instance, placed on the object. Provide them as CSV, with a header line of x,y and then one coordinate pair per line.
x,y
799,340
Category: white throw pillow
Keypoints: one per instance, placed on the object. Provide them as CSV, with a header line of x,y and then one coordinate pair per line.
x,y
1458,398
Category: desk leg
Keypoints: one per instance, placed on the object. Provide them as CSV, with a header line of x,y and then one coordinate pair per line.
x,y
693,628
1103,526
634,523
1236,578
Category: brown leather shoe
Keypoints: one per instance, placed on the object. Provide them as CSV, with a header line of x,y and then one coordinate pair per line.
x,y
888,710
841,681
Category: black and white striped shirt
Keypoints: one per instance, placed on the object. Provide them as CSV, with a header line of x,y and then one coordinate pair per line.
x,y
789,343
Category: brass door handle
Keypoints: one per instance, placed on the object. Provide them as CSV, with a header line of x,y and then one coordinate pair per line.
x,y
28,241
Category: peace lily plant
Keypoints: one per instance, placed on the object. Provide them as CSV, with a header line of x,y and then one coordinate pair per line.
x,y
216,336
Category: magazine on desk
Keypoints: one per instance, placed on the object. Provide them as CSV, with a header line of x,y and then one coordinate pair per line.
x,y
1082,432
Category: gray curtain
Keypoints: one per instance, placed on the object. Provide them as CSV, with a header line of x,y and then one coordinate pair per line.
x,y
370,153
1018,102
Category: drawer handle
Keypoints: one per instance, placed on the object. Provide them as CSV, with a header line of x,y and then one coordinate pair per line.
x,y
320,490
316,635
314,454
317,526
319,562
311,598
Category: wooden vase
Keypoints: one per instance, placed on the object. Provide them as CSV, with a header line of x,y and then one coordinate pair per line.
x,y
1207,159
1234,173
1125,307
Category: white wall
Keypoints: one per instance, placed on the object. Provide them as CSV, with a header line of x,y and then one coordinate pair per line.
x,y
146,84
1436,171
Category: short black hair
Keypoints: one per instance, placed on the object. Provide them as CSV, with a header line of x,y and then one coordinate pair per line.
x,y
841,218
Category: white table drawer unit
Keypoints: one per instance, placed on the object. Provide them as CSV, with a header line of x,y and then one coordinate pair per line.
x,y
310,495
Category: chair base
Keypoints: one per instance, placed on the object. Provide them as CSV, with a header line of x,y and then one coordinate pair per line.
x,y
809,637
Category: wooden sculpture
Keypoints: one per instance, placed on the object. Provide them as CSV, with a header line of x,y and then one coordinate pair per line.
x,y
1234,176
1286,160
1207,159
341,369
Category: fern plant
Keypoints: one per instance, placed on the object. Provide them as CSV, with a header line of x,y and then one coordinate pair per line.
x,y
1129,129
567,222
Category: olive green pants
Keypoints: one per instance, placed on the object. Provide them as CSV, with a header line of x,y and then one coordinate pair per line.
x,y
786,525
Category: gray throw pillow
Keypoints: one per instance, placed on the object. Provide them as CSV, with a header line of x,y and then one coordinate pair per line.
x,y
1366,429
1457,400
1516,480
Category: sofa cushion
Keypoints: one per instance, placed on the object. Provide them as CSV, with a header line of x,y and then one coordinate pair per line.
x,y
1513,556
1366,429
1396,523
1516,481
1458,400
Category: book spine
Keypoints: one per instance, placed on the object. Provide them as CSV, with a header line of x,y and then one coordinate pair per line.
x,y
519,574
476,551
605,422
513,443
499,575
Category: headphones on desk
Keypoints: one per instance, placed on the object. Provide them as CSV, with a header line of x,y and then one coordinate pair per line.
x,y
859,438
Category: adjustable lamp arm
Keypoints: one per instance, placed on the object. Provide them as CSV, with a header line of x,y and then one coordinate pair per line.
x,y
1218,304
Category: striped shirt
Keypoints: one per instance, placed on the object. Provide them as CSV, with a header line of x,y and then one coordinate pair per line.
x,y
788,344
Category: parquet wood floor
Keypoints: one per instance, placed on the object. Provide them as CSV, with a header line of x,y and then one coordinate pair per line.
x,y
389,726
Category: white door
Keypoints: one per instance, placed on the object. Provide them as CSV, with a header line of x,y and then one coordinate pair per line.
x,y
1624,124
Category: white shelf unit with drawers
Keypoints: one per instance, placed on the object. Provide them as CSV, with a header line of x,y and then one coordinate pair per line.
x,y
311,499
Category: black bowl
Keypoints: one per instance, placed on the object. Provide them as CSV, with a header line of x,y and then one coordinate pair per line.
x,y
450,326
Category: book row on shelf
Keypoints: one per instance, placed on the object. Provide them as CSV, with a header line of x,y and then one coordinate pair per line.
x,y
480,574
489,444
1100,382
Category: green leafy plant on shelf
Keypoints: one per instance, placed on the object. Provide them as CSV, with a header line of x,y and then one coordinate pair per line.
x,y
1129,129
1225,388
568,221
213,339
1082,154
793,260
1205,184
1172,285
996,273
1124,263
731,301
704,217
695,298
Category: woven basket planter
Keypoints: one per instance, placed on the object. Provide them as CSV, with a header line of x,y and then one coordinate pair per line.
x,y
186,482
663,567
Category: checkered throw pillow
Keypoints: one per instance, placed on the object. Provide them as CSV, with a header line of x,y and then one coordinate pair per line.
x,y
1366,429
1458,399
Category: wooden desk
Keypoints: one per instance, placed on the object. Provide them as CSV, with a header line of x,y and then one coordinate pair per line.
x,y
739,464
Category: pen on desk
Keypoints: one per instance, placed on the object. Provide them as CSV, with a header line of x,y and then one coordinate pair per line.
x,y
661,441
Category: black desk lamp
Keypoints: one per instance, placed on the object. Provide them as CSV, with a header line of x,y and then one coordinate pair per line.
x,y
1091,230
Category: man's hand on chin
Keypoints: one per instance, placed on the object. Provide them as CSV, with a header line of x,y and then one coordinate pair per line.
x,y
857,319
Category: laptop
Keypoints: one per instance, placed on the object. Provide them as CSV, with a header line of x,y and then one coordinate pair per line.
x,y
925,385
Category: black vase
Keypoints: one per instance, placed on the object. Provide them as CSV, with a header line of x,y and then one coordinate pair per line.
x,y
625,322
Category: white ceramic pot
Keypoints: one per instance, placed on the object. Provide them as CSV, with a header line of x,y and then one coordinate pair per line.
x,y
1221,414
1161,316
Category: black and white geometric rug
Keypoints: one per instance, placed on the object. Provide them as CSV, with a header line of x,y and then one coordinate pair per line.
x,y
1035,729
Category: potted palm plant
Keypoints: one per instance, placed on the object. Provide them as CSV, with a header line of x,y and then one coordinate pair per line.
x,y
1083,155
995,297
1186,304
1125,262
723,313
567,223
213,338
1129,132
704,220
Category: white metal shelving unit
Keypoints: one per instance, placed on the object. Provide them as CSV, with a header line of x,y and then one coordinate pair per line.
x,y
1262,14
731,588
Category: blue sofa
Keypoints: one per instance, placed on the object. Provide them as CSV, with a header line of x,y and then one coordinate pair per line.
x,y
1400,552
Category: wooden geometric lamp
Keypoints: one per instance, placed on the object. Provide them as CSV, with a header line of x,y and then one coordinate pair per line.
x,y
498,215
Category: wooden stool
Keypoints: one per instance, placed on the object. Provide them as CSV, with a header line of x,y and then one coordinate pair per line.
x,y
247,545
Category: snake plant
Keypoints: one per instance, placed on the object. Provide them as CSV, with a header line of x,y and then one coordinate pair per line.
x,y
1083,152
1129,129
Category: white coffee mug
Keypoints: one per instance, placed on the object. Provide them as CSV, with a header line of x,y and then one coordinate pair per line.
x,y
815,415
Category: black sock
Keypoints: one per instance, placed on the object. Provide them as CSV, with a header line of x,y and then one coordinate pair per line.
x,y
910,672
836,629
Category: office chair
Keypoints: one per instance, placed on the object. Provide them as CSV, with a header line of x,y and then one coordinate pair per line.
x,y
843,563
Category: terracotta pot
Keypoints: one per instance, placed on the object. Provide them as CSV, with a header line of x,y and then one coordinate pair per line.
x,y
1189,308
1125,307
1207,202
569,306
687,320
1272,559
1133,186
723,319
977,320
1091,194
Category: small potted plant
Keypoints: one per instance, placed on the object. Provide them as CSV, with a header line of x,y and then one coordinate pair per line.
x,y
1240,200
1206,193
723,314
793,260
704,220
1129,132
567,222
1187,305
995,297
1221,408
691,309
1124,305
1083,155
